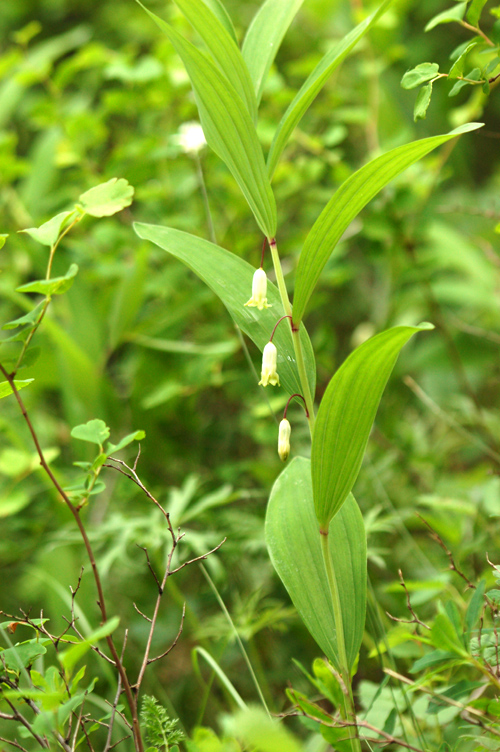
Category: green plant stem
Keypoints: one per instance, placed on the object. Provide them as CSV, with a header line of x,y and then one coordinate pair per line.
x,y
350,711
237,636
297,344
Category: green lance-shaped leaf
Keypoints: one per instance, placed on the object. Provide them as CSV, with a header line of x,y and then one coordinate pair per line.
x,y
347,202
221,13
474,11
230,277
228,128
313,85
345,418
293,541
48,233
456,13
264,37
53,286
223,48
6,389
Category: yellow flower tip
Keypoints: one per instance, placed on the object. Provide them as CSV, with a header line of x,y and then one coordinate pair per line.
x,y
284,439
269,361
259,291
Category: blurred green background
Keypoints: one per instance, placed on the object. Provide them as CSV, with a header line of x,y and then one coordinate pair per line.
x,y
90,90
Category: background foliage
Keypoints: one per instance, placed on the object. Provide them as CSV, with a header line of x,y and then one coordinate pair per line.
x,y
94,91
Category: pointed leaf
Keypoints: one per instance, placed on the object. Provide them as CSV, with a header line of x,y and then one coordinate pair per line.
x,y
54,286
264,37
71,656
422,102
474,11
230,277
6,389
108,198
447,16
293,540
313,85
48,233
228,128
3,238
95,431
347,202
475,607
346,415
221,13
223,48
419,75
28,318
135,436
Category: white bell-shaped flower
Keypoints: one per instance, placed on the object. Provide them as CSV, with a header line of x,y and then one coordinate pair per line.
x,y
284,439
269,362
259,291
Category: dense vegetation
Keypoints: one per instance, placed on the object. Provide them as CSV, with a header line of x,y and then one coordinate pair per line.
x,y
94,91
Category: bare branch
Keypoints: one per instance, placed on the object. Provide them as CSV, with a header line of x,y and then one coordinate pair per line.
x,y
198,558
415,619
150,566
141,614
172,646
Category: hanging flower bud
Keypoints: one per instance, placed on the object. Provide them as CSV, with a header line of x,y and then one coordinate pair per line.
x,y
284,439
259,291
269,359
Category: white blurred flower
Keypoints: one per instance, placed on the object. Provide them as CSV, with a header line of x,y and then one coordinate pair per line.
x,y
269,361
284,439
259,291
191,138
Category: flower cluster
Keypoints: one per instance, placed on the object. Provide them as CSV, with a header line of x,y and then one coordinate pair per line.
x,y
269,373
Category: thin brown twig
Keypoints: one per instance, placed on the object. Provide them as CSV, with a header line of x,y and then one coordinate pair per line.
x,y
13,743
107,746
140,613
172,646
90,553
415,619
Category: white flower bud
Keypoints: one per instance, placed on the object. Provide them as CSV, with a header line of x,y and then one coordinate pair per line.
x,y
259,291
284,439
269,360
191,138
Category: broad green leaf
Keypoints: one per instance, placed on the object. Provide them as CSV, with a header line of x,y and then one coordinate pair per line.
x,y
293,540
54,286
475,607
107,199
313,85
422,102
228,128
345,418
419,75
458,66
444,636
474,11
70,657
264,37
434,658
457,692
230,277
347,202
6,389
136,436
456,13
48,233
22,655
221,13
28,318
223,48
95,432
